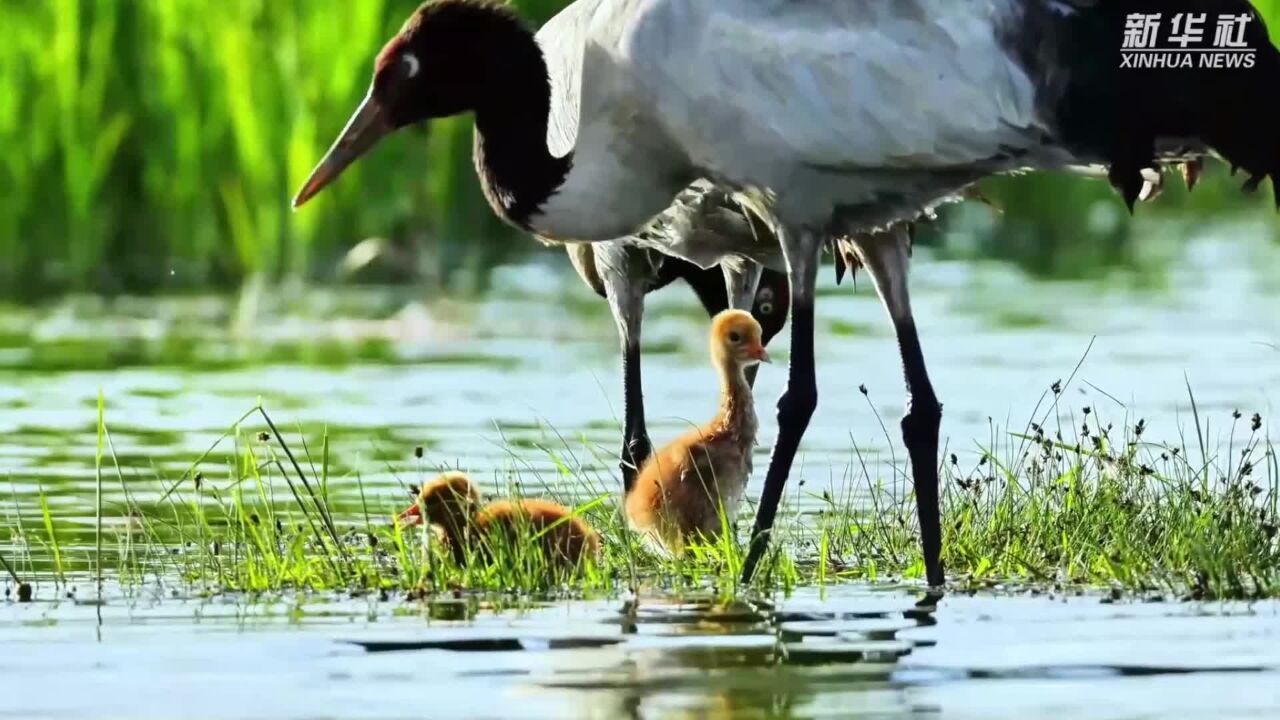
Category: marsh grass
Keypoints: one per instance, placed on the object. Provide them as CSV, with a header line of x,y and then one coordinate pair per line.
x,y
1089,503
1072,503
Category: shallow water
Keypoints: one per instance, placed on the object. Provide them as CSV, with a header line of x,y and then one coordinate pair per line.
x,y
533,372
857,652
527,378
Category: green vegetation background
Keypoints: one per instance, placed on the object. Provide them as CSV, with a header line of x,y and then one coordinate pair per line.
x,y
152,145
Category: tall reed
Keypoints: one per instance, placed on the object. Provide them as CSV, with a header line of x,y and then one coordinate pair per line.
x,y
155,145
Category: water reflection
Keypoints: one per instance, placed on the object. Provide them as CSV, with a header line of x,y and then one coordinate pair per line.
x,y
852,651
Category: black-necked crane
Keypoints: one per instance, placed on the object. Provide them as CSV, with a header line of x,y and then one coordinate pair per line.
x,y
844,116
689,490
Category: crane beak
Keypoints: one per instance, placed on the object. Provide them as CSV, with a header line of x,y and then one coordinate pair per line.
x,y
757,352
365,128
410,517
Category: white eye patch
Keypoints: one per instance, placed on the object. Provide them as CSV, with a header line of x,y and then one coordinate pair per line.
x,y
414,64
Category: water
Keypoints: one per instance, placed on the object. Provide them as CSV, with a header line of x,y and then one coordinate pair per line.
x,y
856,652
529,375
494,385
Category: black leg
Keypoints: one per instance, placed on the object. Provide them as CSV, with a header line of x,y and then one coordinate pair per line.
x,y
627,273
635,438
920,429
886,257
800,398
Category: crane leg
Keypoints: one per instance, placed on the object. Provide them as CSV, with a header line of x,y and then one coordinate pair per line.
x,y
886,257
801,250
625,274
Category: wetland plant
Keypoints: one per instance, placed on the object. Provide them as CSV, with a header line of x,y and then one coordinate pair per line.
x,y
1073,503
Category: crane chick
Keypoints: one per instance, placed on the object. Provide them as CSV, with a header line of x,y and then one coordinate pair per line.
x,y
452,505
686,488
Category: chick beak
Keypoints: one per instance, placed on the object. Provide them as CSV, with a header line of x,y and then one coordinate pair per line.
x,y
757,352
365,128
410,517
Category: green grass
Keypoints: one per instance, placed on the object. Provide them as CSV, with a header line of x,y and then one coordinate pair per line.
x,y
1103,508
154,146
1073,503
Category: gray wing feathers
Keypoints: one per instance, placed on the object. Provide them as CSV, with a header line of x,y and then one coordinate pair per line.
x,y
707,222
842,84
